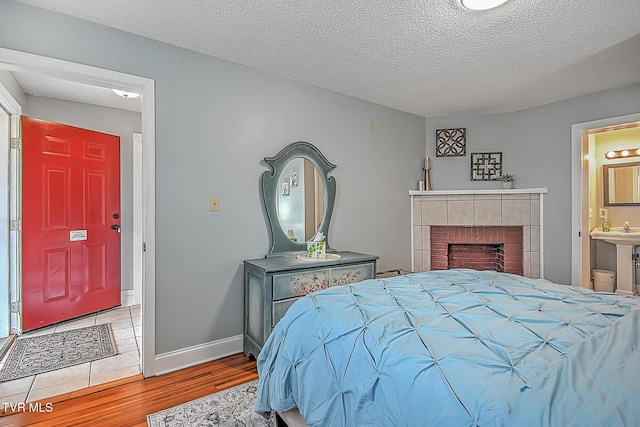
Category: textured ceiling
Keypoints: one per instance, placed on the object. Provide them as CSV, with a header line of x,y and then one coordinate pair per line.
x,y
427,57
50,87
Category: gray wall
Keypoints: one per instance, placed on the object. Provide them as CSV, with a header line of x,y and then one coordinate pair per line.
x,y
11,84
215,121
536,147
107,120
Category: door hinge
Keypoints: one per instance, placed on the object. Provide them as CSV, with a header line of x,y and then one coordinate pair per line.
x,y
16,225
16,143
15,307
144,246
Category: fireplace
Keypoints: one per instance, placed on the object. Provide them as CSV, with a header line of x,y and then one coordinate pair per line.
x,y
516,212
480,248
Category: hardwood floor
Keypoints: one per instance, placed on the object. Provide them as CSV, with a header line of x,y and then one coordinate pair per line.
x,y
126,403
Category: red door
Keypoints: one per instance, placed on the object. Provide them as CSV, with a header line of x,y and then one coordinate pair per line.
x,y
70,222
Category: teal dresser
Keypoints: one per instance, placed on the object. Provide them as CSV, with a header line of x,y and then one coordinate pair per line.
x,y
272,285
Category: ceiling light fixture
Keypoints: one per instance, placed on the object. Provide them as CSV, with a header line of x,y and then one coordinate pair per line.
x,y
481,4
124,94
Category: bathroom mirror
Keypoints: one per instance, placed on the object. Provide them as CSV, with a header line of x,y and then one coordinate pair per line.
x,y
297,197
621,184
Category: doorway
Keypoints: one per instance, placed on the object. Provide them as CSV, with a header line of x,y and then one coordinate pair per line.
x,y
10,111
71,216
15,61
585,197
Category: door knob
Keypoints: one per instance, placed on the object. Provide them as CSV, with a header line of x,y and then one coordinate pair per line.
x,y
116,227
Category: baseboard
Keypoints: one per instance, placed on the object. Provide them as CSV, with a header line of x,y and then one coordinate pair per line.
x,y
130,297
190,356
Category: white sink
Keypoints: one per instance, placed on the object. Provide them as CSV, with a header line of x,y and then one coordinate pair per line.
x,y
617,236
625,242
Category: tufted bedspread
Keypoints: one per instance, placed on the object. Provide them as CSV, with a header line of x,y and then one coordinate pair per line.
x,y
452,348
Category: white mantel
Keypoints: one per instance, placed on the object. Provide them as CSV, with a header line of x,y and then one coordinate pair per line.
x,y
492,207
491,191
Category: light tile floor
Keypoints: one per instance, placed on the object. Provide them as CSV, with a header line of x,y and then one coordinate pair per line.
x,y
127,331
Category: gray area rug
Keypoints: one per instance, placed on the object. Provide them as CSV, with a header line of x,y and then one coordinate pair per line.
x,y
232,407
43,353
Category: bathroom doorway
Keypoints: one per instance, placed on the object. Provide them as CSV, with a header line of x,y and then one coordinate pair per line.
x,y
589,142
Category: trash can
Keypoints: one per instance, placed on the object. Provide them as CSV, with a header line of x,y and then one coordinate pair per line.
x,y
604,280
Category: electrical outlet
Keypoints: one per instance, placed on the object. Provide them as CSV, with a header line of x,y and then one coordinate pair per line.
x,y
214,204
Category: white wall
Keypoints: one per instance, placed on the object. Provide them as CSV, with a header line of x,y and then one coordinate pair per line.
x,y
536,147
216,120
107,120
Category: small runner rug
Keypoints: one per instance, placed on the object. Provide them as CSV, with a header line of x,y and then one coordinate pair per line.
x,y
43,353
231,407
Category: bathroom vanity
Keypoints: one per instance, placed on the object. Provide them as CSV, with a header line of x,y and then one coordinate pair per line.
x,y
625,239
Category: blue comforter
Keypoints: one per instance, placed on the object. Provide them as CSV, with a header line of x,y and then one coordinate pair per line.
x,y
450,348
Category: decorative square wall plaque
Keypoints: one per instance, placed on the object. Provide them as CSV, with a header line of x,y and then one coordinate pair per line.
x,y
486,166
451,142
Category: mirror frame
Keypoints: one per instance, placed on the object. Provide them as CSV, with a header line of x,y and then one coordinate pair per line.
x,y
279,243
605,183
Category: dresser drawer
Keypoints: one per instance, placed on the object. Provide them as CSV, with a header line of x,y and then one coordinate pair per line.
x,y
280,308
300,283
303,283
352,274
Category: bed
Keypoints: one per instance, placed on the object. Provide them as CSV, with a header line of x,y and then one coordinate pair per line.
x,y
455,348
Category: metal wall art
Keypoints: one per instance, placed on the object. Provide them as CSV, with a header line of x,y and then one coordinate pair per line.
x,y
486,166
451,142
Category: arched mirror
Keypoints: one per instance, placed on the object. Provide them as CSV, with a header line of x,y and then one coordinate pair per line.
x,y
298,197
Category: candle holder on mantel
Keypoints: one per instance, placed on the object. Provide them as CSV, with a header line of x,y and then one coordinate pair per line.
x,y
427,173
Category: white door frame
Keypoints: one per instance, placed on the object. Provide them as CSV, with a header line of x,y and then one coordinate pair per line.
x,y
138,221
577,172
9,171
12,60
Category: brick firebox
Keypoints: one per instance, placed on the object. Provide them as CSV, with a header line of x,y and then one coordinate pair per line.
x,y
473,245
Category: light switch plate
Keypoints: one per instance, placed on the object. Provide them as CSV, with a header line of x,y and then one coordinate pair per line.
x,y
214,204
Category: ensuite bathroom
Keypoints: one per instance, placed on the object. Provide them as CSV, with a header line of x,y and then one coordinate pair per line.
x,y
612,254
